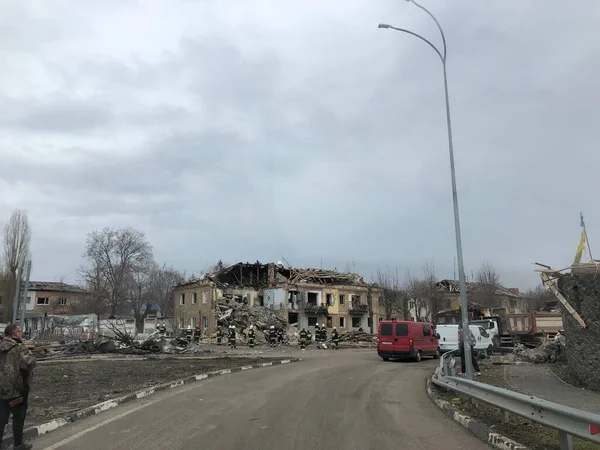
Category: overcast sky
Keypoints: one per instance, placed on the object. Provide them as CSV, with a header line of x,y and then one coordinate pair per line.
x,y
247,130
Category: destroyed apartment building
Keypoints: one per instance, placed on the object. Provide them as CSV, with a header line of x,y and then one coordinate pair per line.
x,y
305,297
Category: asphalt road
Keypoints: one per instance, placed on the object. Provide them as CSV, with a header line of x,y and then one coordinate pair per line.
x,y
349,400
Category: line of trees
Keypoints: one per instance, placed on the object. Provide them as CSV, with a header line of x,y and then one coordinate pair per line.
x,y
420,294
121,275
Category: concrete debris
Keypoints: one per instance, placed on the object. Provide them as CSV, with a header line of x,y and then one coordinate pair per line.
x,y
242,316
356,339
552,351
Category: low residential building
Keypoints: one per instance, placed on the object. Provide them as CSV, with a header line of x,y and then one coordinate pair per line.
x,y
46,297
53,297
304,296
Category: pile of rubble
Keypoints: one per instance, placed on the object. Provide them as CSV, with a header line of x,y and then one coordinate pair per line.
x,y
552,351
357,339
242,316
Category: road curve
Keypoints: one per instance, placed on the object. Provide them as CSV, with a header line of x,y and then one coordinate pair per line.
x,y
347,400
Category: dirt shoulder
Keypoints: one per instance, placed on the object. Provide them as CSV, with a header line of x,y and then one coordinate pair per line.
x,y
526,432
61,388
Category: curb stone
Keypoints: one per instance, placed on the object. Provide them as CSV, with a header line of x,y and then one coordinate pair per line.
x,y
39,430
479,429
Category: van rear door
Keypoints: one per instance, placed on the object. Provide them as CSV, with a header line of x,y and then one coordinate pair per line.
x,y
401,337
386,336
430,344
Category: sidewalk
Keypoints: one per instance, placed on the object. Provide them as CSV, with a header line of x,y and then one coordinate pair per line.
x,y
540,381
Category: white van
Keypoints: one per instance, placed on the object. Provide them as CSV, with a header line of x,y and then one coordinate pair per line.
x,y
449,337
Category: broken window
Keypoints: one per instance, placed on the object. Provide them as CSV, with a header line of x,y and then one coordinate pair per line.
x,y
204,297
312,321
204,322
43,300
62,301
342,299
182,299
356,322
342,321
194,298
355,300
329,322
311,298
329,298
292,318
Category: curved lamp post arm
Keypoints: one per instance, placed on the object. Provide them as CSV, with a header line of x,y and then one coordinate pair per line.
x,y
436,22
385,25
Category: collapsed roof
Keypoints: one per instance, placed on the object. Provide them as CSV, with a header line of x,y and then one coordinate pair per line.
x,y
452,286
258,275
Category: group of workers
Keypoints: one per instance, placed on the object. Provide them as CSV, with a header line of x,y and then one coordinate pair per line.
x,y
275,336
193,334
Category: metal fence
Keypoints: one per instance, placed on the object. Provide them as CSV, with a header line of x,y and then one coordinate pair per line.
x,y
568,421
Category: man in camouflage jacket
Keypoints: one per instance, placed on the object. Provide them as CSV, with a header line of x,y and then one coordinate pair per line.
x,y
16,364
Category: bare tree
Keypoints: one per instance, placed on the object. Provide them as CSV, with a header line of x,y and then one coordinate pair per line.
x,y
97,298
424,297
486,286
114,255
541,298
138,296
163,280
393,298
17,237
211,268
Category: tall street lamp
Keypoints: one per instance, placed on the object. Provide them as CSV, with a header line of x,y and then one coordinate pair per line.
x,y
464,307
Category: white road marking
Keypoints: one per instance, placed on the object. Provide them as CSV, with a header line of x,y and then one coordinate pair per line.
x,y
112,419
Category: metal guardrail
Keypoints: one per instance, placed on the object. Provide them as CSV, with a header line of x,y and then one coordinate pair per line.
x,y
568,421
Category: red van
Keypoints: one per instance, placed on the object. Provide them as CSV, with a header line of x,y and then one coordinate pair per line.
x,y
407,340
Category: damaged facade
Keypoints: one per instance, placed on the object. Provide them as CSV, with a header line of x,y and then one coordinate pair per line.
x,y
508,298
299,296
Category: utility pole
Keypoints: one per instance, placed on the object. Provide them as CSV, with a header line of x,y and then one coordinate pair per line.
x,y
462,283
16,298
24,297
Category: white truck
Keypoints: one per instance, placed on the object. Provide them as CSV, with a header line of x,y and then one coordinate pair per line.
x,y
449,337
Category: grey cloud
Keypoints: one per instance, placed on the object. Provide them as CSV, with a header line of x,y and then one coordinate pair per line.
x,y
61,114
329,141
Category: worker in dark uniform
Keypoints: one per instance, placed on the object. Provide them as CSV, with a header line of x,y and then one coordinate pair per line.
x,y
273,336
335,337
251,336
197,334
317,333
189,333
219,335
162,329
232,337
303,338
280,335
308,337
323,334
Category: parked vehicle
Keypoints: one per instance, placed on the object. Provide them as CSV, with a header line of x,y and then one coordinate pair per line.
x,y
407,340
448,340
529,328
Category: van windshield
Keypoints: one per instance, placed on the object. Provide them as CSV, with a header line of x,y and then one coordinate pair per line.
x,y
401,329
386,329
